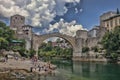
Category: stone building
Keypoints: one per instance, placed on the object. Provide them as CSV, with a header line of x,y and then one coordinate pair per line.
x,y
110,20
22,31
27,34
16,23
90,38
82,39
93,32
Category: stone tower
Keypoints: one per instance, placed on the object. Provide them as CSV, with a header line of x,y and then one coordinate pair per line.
x,y
27,35
22,31
16,23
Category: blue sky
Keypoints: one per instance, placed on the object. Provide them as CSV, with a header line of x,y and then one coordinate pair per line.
x,y
65,16
92,9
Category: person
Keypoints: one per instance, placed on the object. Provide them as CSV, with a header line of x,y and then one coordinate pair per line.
x,y
35,60
6,58
31,69
32,60
39,67
49,65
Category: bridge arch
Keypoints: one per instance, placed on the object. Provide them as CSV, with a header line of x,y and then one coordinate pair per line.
x,y
38,39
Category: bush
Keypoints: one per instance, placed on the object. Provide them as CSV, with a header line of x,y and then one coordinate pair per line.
x,y
111,42
95,49
85,49
32,52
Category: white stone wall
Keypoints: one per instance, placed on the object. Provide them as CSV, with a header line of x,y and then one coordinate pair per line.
x,y
82,34
110,20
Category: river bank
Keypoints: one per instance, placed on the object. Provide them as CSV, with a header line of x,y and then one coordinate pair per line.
x,y
24,66
69,70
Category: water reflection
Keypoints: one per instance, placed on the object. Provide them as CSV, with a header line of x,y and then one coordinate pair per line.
x,y
69,70
91,70
97,71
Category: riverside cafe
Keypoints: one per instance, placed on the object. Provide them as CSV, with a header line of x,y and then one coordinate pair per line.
x,y
16,42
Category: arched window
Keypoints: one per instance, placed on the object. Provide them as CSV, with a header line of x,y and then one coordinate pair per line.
x,y
15,17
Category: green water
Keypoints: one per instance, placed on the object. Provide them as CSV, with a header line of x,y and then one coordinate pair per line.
x,y
88,71
68,70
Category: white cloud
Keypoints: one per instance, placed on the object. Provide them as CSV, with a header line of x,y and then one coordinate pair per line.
x,y
72,0
65,27
41,12
45,10
81,10
76,10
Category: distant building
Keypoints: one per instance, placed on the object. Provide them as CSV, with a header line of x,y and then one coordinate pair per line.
x,y
93,32
54,44
110,20
62,44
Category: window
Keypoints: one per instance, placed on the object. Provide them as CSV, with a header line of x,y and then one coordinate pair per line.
x,y
111,23
107,24
115,22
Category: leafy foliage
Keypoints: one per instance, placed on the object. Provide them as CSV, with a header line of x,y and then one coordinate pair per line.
x,y
6,35
85,49
95,49
111,42
47,50
32,52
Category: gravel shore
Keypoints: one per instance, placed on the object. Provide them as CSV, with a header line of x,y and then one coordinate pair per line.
x,y
25,65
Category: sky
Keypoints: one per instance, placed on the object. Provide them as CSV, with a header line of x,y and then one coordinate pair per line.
x,y
64,16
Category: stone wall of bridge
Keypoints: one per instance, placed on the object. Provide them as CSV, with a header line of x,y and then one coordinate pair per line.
x,y
76,44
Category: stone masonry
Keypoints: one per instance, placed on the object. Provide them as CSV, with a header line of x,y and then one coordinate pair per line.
x,y
110,20
82,39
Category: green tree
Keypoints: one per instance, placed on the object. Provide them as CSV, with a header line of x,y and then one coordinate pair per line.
x,y
118,11
95,49
111,42
3,43
47,51
85,49
43,45
32,52
58,41
6,35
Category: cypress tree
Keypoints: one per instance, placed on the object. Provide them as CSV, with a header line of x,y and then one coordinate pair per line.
x,y
118,11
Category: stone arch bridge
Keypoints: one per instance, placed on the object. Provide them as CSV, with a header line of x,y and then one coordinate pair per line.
x,y
38,40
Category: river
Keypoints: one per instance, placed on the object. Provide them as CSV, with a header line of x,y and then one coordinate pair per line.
x,y
69,70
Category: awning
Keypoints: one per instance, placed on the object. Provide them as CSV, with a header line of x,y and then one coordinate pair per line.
x,y
16,41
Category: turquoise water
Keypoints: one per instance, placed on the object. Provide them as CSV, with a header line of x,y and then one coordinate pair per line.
x,y
68,70
90,71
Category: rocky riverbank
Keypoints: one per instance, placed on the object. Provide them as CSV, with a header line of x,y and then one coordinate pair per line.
x,y
22,68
